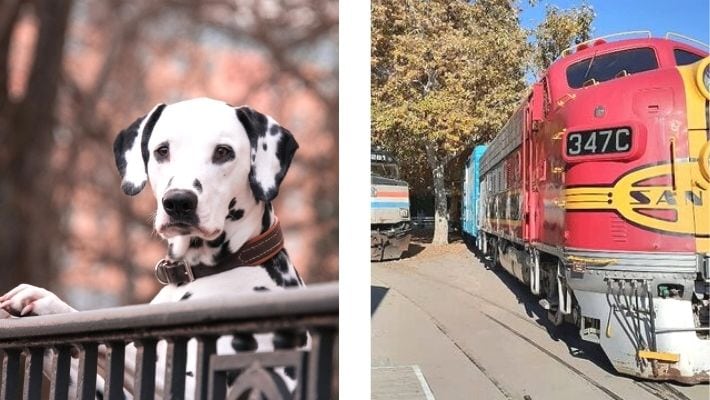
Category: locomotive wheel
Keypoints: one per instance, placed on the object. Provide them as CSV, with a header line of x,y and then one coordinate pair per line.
x,y
377,248
495,255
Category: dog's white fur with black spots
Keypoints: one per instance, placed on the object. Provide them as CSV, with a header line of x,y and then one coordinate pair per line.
x,y
214,170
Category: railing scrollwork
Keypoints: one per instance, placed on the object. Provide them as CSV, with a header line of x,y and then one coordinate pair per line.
x,y
121,350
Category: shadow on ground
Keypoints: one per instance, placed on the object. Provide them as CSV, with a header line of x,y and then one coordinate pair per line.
x,y
414,249
377,294
566,332
422,237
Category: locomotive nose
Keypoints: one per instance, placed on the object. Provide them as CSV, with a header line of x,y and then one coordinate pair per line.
x,y
180,204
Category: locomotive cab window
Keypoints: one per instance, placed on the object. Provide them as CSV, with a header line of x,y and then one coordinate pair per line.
x,y
605,67
385,170
683,57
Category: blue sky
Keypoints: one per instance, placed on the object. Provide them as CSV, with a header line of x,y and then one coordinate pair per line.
x,y
687,17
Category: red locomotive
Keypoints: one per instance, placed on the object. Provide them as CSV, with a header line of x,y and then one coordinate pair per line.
x,y
596,194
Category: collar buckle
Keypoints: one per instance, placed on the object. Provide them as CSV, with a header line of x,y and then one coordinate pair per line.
x,y
166,271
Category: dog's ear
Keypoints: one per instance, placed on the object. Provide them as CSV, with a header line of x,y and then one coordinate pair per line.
x,y
131,151
272,149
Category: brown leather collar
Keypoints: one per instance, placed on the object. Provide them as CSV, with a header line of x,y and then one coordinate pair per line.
x,y
255,251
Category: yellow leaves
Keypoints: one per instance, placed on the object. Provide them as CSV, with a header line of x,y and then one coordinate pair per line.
x,y
560,29
438,69
451,72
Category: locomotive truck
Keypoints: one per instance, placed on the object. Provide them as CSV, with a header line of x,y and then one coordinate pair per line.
x,y
596,194
389,208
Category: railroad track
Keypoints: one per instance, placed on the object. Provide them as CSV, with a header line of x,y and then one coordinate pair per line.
x,y
473,361
501,388
660,390
468,355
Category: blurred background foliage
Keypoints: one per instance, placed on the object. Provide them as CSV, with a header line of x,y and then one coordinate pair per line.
x,y
74,73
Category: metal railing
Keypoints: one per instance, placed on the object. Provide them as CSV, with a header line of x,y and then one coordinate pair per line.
x,y
423,221
428,223
124,348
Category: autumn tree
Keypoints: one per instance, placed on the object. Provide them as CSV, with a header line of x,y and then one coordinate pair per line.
x,y
560,29
445,75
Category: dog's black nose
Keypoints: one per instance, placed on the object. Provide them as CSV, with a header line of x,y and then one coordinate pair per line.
x,y
180,203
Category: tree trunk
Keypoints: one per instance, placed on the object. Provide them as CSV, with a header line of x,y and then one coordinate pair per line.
x,y
441,218
28,234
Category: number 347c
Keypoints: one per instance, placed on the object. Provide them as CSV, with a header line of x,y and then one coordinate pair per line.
x,y
604,141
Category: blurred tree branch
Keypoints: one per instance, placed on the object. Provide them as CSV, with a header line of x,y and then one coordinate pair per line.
x,y
26,138
9,11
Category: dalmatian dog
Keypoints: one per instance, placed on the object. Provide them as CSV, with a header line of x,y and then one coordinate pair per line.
x,y
214,170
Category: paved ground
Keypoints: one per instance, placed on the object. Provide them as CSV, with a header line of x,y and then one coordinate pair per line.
x,y
475,333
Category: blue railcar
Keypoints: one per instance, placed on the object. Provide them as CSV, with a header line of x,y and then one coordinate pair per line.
x,y
471,193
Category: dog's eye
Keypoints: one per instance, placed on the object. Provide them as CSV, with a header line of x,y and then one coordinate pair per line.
x,y
162,153
222,154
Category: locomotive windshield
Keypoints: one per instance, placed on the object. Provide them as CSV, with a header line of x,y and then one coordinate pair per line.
x,y
683,57
384,165
385,170
605,67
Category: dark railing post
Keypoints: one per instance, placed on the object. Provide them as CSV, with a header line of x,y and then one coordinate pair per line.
x,y
319,379
145,369
10,389
206,346
32,389
175,368
87,371
59,381
116,359
217,385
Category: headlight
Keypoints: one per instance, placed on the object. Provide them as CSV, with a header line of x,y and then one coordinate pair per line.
x,y
704,159
703,77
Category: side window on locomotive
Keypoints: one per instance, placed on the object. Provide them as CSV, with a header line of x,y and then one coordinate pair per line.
x,y
605,67
683,57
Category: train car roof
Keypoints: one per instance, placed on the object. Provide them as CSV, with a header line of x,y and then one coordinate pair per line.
x,y
601,46
379,155
663,48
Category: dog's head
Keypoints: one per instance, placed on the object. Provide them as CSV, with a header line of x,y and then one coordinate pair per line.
x,y
207,163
